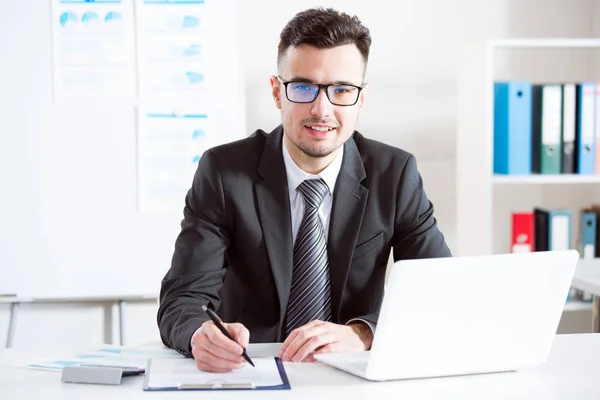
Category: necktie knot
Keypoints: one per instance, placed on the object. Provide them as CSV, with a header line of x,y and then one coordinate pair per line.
x,y
314,191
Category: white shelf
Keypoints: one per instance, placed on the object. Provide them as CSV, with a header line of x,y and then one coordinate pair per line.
x,y
546,43
544,179
476,232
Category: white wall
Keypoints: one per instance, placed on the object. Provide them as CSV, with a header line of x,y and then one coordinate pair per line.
x,y
412,105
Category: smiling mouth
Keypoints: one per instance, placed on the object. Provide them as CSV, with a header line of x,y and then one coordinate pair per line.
x,y
320,128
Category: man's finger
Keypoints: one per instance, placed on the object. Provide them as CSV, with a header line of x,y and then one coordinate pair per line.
x,y
286,343
204,343
299,338
292,336
217,338
206,356
219,352
310,358
239,333
328,348
313,344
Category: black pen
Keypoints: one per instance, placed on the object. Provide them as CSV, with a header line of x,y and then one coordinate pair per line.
x,y
213,316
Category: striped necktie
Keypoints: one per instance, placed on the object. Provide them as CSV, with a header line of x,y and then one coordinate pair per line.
x,y
310,295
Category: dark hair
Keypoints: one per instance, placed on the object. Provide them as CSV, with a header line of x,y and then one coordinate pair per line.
x,y
324,28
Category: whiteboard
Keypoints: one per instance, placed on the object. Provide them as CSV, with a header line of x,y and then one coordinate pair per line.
x,y
69,220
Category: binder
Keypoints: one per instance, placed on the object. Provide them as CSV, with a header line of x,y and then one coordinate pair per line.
x,y
541,219
597,128
586,100
568,128
551,129
522,232
536,127
512,128
589,223
589,243
595,208
173,374
559,230
553,232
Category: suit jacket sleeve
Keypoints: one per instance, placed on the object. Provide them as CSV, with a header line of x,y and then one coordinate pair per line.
x,y
416,234
199,262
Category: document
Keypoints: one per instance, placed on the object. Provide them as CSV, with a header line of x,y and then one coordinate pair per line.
x,y
105,356
93,48
171,141
261,350
182,374
173,48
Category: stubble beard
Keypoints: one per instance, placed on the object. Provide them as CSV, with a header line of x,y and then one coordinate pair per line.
x,y
315,151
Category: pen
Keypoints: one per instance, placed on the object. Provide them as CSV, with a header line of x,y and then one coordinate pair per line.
x,y
213,316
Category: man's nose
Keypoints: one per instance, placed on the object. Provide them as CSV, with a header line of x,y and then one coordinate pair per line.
x,y
321,106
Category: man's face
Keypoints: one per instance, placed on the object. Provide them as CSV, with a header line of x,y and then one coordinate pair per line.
x,y
319,128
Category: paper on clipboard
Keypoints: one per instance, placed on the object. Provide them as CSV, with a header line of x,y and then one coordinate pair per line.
x,y
181,374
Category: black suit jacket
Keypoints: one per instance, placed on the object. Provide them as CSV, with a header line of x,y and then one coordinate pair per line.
x,y
234,250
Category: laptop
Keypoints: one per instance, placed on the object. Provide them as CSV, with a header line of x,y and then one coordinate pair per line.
x,y
465,315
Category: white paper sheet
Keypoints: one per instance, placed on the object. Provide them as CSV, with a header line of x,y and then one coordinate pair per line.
x,y
260,350
113,356
172,49
171,141
93,52
171,373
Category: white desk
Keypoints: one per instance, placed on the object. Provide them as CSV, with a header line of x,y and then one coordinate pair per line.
x,y
587,278
572,372
14,303
108,301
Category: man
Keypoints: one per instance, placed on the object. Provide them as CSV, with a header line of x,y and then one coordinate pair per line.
x,y
287,235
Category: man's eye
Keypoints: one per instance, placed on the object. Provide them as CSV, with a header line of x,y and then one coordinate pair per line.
x,y
303,87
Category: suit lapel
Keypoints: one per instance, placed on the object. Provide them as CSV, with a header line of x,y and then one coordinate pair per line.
x,y
349,201
274,212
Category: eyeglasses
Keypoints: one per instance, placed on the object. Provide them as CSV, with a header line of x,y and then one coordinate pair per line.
x,y
307,92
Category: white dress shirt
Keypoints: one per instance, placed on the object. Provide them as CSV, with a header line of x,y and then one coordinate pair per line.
x,y
295,176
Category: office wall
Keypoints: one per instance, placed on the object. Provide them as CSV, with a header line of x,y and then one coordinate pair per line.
x,y
411,105
69,166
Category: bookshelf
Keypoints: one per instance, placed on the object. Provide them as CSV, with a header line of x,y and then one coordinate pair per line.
x,y
484,200
545,179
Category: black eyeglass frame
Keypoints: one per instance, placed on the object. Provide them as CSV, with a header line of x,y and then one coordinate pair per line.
x,y
323,86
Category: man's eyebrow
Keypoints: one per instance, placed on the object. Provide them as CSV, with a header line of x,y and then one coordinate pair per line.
x,y
344,83
306,80
301,79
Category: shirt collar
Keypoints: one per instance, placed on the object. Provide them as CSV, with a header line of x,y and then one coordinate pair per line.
x,y
296,176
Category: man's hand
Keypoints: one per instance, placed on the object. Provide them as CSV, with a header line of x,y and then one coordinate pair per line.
x,y
215,352
318,337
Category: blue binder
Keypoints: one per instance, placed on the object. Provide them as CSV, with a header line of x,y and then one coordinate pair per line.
x,y
512,128
588,229
586,111
589,221
559,230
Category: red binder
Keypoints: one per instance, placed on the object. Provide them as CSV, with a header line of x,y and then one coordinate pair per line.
x,y
522,232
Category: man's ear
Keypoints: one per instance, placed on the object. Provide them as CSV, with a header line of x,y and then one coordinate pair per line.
x,y
363,95
276,90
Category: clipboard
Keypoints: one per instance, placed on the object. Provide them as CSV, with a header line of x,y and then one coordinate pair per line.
x,y
182,374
